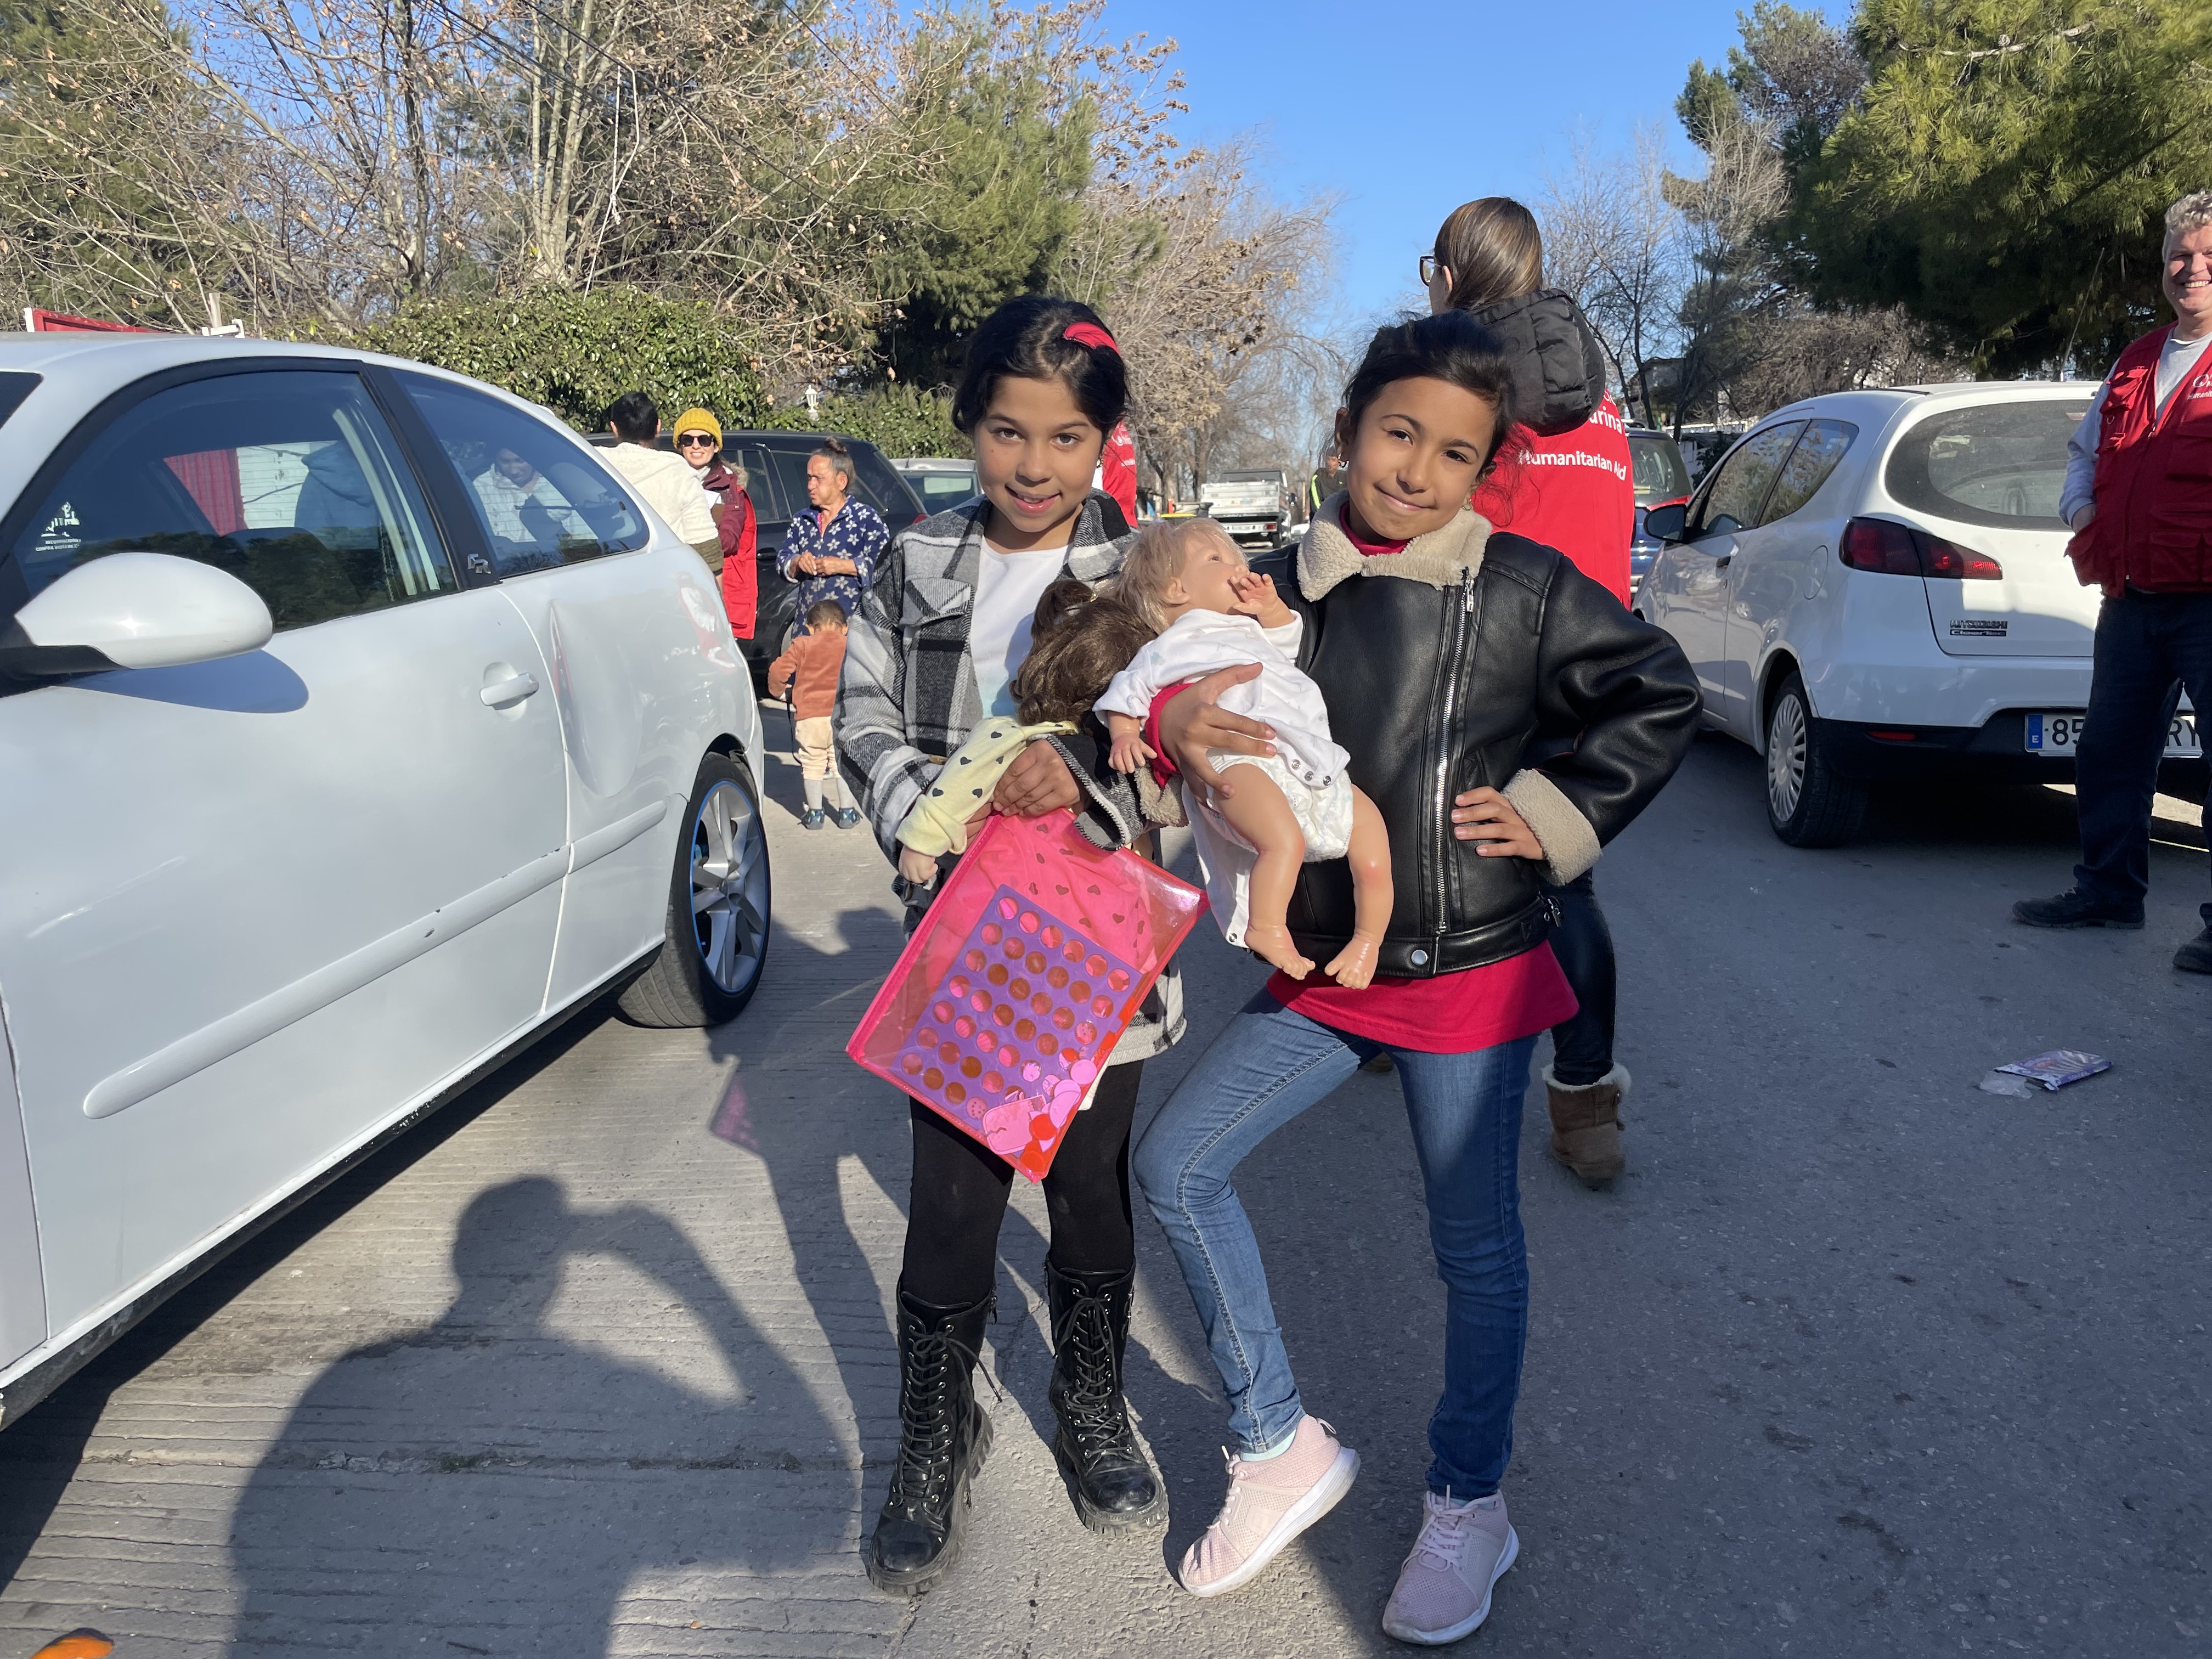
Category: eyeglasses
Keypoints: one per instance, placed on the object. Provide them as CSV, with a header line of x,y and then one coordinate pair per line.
x,y
1428,269
695,440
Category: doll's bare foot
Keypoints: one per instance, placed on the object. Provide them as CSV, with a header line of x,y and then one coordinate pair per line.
x,y
1354,966
1274,945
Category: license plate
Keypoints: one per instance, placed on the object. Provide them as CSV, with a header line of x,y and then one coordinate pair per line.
x,y
2058,734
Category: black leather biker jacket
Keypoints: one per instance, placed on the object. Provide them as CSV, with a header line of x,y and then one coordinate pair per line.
x,y
1445,667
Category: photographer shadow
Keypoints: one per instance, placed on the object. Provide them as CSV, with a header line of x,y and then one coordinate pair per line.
x,y
484,1479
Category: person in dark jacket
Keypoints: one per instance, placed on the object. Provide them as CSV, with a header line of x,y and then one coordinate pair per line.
x,y
1446,653
1568,483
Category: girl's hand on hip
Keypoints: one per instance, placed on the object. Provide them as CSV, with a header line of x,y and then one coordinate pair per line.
x,y
1036,783
1485,816
1191,724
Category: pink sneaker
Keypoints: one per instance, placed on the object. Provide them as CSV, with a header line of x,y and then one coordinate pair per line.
x,y
1444,1589
1269,1504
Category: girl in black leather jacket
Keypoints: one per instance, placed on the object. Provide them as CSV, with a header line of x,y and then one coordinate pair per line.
x,y
1444,653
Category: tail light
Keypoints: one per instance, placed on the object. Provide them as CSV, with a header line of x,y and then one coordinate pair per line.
x,y
1899,549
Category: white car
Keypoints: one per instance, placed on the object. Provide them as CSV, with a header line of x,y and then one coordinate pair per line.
x,y
355,726
1874,584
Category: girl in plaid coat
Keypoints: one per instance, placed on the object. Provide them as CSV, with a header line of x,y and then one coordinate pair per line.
x,y
933,648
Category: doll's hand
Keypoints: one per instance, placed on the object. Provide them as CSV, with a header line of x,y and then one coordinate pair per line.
x,y
1257,599
1130,754
919,868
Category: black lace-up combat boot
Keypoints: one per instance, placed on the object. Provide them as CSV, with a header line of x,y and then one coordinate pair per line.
x,y
943,1436
1113,1486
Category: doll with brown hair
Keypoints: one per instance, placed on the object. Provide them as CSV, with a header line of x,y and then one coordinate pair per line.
x,y
1078,641
1209,610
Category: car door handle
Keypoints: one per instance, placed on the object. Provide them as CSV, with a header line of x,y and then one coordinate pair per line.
x,y
499,693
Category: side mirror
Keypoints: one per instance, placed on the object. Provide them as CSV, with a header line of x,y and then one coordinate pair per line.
x,y
1666,523
133,610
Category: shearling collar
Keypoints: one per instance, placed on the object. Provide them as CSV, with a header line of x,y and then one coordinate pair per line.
x,y
1443,558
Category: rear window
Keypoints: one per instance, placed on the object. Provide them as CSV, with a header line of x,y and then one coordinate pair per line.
x,y
1659,474
15,386
1999,464
940,490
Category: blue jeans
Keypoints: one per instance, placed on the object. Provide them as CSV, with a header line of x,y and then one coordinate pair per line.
x,y
1268,1065
2149,647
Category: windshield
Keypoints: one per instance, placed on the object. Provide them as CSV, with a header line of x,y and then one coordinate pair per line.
x,y
1659,474
1999,464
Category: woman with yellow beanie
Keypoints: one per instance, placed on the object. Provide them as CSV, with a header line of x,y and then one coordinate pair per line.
x,y
699,441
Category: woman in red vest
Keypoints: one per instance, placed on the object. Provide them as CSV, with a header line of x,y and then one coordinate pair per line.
x,y
1565,481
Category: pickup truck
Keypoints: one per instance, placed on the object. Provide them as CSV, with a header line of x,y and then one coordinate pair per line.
x,y
1252,507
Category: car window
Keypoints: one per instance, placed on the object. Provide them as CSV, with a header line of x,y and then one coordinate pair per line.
x,y
1739,488
761,482
1656,463
880,486
1819,448
540,500
289,480
940,490
15,386
873,482
1998,464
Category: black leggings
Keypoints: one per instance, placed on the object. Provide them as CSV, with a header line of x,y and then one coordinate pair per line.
x,y
960,1188
1581,1047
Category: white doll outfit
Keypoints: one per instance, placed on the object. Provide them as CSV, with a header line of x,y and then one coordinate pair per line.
x,y
1307,765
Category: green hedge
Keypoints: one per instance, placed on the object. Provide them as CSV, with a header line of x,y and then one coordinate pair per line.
x,y
898,419
576,353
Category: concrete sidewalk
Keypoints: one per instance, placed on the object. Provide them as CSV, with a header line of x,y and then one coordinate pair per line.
x,y
1854,1361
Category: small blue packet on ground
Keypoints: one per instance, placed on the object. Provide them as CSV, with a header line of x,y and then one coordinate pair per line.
x,y
2059,1067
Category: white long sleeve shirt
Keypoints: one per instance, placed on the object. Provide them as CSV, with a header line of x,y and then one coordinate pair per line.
x,y
2176,359
670,487
1202,642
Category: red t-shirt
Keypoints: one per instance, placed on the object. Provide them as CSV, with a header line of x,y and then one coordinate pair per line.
x,y
1575,492
1448,1014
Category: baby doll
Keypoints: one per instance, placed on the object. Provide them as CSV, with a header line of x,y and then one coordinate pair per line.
x,y
1076,644
1297,806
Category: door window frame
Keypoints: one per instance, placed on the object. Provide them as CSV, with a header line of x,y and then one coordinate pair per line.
x,y
14,586
1711,481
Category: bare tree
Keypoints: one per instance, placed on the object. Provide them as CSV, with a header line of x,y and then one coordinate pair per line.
x,y
1613,239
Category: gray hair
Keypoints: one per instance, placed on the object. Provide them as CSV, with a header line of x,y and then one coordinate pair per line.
x,y
2192,212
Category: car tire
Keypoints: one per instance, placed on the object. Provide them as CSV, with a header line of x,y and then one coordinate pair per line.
x,y
715,950
1808,803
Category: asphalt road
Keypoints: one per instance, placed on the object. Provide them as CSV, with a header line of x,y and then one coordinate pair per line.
x,y
1856,1360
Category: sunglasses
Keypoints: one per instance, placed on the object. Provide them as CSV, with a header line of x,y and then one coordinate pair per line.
x,y
695,440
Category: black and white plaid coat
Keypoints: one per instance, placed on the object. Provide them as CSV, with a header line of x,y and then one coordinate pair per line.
x,y
908,698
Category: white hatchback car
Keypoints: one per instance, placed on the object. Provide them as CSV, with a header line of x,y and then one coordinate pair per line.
x,y
355,726
1874,584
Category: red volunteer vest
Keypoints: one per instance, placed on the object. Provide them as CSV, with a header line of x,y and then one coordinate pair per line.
x,y
2154,487
1575,492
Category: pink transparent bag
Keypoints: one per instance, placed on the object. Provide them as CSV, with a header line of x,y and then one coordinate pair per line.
x,y
1025,970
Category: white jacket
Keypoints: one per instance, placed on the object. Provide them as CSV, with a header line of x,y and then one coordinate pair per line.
x,y
671,489
1200,643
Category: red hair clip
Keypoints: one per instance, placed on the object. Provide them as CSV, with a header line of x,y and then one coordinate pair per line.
x,y
1090,334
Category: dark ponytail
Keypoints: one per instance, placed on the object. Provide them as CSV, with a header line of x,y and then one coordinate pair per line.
x,y
1451,347
1040,338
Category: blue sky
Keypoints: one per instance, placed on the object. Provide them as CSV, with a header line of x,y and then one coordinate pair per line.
x,y
1407,107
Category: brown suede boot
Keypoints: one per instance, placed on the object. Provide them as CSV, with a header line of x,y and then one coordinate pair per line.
x,y
1586,1124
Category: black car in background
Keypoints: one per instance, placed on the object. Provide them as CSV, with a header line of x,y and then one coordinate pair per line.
x,y
775,465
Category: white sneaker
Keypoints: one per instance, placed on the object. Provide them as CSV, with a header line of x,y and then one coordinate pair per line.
x,y
1269,1504
1444,1589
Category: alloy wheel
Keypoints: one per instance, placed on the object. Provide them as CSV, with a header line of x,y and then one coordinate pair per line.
x,y
729,886
1785,757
